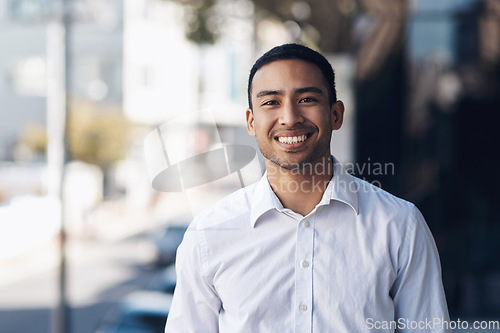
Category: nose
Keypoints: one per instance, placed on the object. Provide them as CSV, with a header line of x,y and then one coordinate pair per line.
x,y
290,115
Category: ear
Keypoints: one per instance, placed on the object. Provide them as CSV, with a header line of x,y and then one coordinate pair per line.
x,y
250,122
337,111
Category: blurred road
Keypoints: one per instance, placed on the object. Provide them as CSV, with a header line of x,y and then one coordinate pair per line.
x,y
99,274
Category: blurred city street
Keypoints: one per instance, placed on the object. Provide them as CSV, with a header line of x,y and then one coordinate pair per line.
x,y
118,119
100,274
103,267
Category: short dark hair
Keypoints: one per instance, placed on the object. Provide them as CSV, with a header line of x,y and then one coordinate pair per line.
x,y
300,52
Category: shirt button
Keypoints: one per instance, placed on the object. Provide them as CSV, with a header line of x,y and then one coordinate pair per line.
x,y
307,224
305,263
302,307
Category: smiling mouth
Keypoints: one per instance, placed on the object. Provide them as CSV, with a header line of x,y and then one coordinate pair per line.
x,y
292,139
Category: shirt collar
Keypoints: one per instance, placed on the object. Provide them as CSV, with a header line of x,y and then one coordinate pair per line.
x,y
263,200
342,187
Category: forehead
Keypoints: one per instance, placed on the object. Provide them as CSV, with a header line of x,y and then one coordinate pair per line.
x,y
289,73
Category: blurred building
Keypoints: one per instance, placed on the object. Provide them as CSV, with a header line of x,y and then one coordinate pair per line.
x,y
428,102
166,75
96,62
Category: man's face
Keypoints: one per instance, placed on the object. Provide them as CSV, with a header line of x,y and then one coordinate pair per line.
x,y
292,119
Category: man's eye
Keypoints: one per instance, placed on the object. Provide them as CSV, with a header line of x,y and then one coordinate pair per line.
x,y
270,103
307,100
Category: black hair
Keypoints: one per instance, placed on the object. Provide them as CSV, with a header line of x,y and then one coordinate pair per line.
x,y
300,52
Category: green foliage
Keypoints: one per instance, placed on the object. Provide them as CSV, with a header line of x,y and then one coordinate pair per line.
x,y
97,136
200,21
34,136
326,23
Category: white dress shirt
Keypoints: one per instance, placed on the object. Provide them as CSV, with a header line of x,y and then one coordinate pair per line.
x,y
358,261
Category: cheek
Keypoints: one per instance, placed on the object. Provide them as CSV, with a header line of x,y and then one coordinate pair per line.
x,y
324,123
262,123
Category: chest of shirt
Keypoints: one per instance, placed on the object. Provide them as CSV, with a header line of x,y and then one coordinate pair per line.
x,y
339,262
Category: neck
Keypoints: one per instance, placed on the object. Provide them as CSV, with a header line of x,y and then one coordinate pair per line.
x,y
301,189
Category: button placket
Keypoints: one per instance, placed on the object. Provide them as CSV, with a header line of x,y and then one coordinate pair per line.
x,y
303,276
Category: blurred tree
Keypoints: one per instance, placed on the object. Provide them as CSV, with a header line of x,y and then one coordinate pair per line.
x,y
96,136
200,21
325,23
34,136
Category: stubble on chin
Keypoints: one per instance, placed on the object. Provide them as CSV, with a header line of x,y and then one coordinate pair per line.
x,y
288,165
309,161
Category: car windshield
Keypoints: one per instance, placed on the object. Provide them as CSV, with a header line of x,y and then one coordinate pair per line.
x,y
142,323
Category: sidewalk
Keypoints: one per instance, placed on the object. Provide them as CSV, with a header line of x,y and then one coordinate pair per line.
x,y
31,245
30,262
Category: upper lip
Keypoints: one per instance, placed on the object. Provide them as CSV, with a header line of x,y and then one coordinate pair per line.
x,y
292,133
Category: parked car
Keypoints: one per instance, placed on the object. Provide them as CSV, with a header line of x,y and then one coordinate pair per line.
x,y
166,243
139,312
165,281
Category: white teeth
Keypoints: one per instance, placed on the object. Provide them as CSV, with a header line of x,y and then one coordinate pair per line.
x,y
292,139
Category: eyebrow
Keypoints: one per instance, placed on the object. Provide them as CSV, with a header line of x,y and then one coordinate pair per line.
x,y
263,93
309,89
312,89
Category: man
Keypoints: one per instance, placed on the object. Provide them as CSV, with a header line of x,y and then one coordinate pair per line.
x,y
308,248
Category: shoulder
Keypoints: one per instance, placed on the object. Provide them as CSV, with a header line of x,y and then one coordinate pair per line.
x,y
396,218
374,199
388,213
230,211
214,228
396,214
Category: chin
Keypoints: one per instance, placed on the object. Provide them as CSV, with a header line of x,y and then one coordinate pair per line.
x,y
289,166
290,163
297,161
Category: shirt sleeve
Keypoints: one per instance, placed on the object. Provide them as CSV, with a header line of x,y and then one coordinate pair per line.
x,y
195,305
418,294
